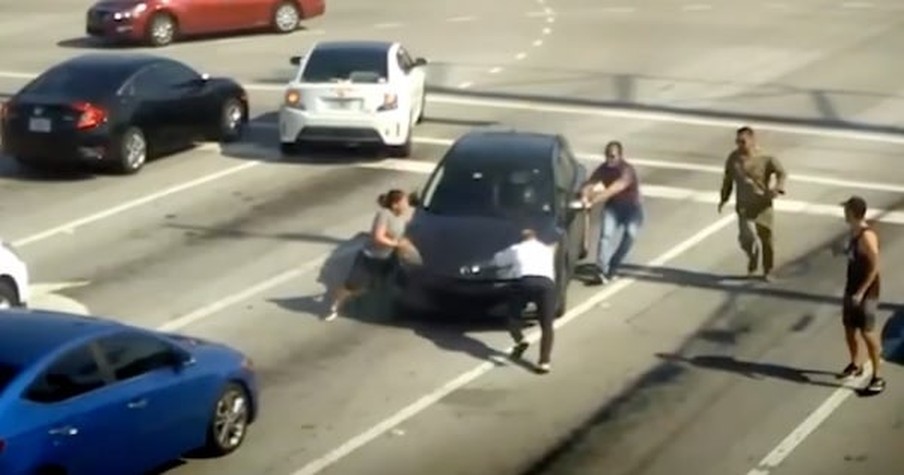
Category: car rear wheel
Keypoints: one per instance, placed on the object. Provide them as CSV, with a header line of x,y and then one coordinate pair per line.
x,y
286,17
9,297
564,276
133,151
161,29
232,120
229,421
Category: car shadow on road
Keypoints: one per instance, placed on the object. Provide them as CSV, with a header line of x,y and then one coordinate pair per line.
x,y
751,369
261,142
375,307
59,173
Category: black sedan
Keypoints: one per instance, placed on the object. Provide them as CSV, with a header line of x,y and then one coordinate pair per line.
x,y
486,189
117,110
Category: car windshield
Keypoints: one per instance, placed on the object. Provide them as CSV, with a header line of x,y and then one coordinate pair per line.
x,y
508,190
358,65
8,373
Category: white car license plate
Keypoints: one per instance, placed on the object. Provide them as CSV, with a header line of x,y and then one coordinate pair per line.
x,y
39,125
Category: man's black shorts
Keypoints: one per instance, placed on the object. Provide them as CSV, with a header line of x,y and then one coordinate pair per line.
x,y
859,316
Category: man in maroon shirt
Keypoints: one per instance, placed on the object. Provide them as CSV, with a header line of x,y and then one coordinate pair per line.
x,y
614,184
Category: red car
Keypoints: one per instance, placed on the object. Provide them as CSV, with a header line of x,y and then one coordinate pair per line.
x,y
160,22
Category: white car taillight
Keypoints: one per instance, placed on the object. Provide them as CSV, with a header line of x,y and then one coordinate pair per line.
x,y
293,99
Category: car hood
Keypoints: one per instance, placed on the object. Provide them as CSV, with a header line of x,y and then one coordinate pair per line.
x,y
447,243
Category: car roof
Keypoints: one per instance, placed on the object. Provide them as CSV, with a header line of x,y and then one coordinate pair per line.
x,y
123,64
503,147
373,46
28,335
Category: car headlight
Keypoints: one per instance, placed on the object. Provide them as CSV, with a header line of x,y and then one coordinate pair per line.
x,y
470,270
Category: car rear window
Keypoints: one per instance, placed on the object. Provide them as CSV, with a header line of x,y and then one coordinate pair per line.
x,y
329,65
8,373
507,190
78,82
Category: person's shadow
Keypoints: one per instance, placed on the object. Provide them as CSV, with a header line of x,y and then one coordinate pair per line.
x,y
752,369
331,276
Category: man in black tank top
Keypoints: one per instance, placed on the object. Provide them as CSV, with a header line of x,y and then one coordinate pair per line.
x,y
861,292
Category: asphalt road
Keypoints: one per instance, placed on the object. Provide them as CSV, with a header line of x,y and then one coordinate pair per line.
x,y
677,368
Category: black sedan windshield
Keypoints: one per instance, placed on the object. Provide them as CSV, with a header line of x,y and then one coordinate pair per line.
x,y
504,190
326,65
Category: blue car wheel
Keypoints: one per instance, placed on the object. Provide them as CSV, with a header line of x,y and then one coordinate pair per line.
x,y
229,421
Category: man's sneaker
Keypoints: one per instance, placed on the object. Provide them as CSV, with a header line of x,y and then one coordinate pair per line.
x,y
598,279
544,368
519,349
334,313
876,385
850,370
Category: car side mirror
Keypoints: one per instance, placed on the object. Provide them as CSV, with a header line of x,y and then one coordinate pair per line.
x,y
181,359
414,198
295,60
420,62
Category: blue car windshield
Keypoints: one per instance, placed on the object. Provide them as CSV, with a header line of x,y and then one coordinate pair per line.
x,y
7,374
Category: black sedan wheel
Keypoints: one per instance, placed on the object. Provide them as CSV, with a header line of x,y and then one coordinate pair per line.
x,y
161,30
133,151
232,120
229,422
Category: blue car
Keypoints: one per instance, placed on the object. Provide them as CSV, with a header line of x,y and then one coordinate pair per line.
x,y
88,396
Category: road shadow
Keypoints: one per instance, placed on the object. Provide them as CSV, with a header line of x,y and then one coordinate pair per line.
x,y
64,172
376,307
261,142
624,87
751,369
209,233
90,42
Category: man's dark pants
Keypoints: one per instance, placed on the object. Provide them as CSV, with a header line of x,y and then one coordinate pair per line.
x,y
542,292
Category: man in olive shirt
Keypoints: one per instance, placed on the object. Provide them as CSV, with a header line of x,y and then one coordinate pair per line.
x,y
749,171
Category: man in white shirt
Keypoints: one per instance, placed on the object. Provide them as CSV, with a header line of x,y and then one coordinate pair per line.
x,y
532,263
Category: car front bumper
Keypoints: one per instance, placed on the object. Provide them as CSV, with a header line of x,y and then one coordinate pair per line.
x,y
372,128
454,297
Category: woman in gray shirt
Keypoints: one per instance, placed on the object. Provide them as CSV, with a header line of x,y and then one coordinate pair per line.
x,y
375,260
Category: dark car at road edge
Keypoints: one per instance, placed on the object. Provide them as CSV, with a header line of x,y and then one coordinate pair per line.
x,y
117,110
487,188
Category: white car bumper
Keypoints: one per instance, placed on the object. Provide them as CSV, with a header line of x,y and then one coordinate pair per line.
x,y
384,128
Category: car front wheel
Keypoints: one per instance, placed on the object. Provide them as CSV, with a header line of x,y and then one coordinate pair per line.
x,y
229,421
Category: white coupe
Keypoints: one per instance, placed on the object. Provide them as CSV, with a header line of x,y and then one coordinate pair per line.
x,y
354,92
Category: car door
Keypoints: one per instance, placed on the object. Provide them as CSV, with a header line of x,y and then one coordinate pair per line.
x,y
413,78
168,401
568,184
84,421
155,108
207,16
192,97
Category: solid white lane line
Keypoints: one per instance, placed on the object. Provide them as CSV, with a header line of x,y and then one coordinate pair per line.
x,y
459,19
810,424
612,112
679,194
716,170
388,25
431,398
667,117
69,227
